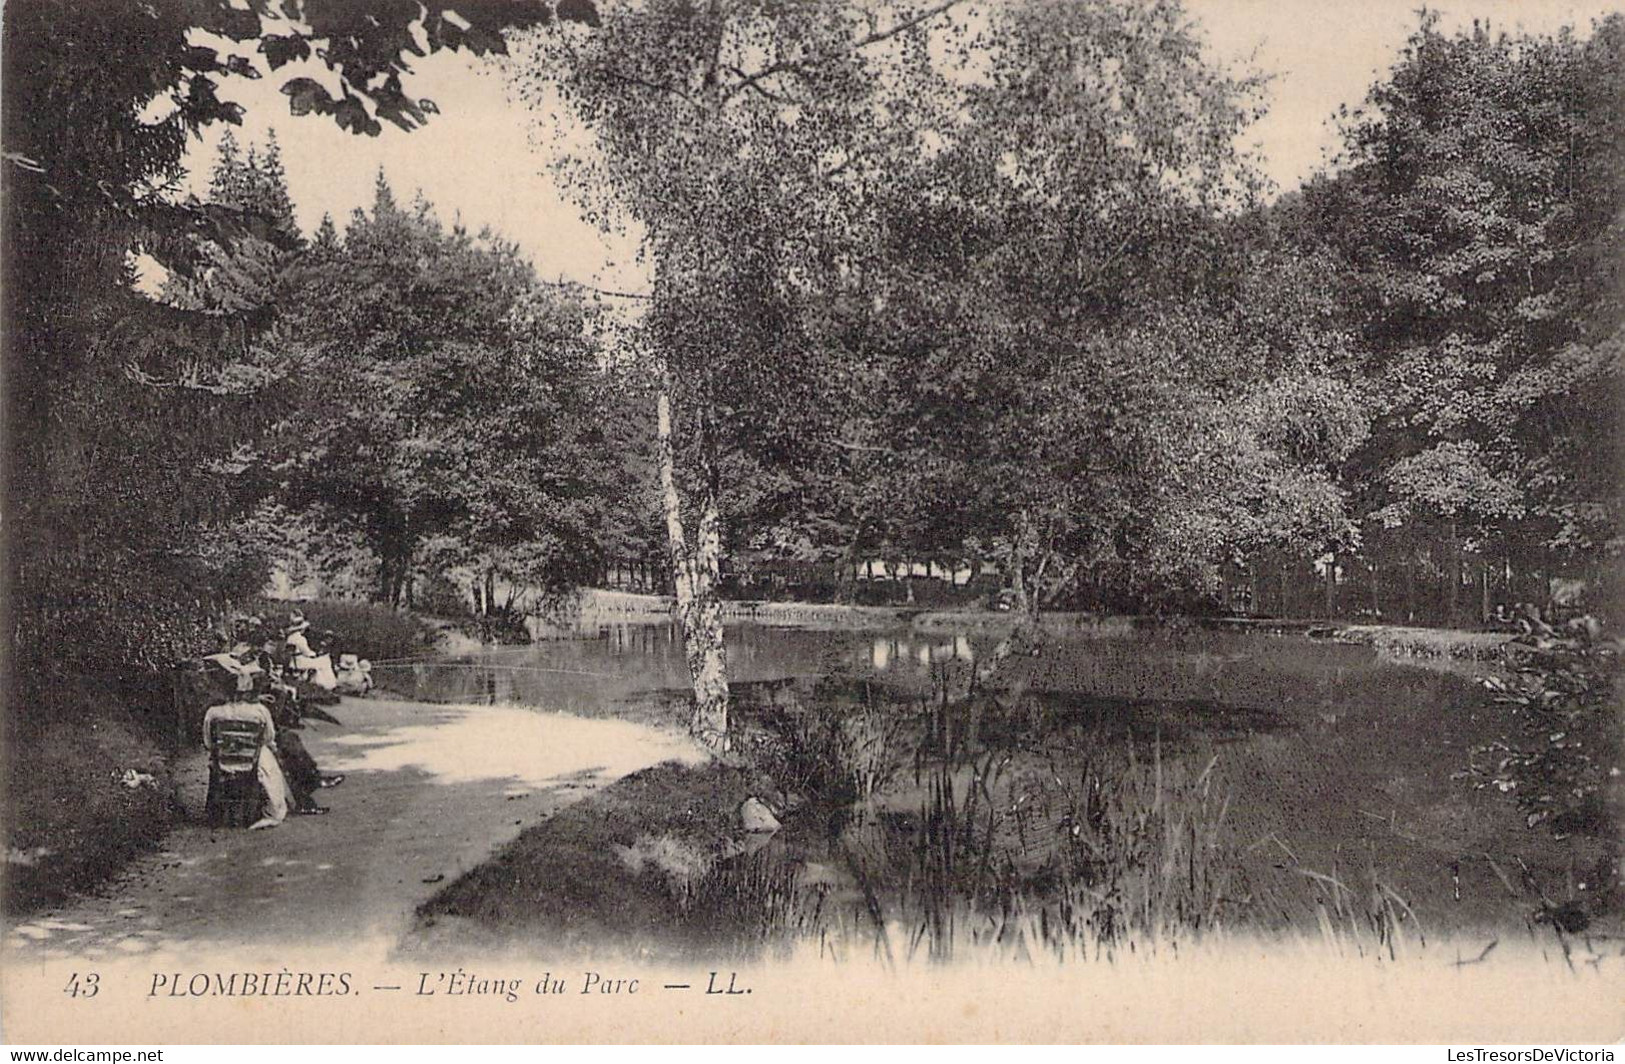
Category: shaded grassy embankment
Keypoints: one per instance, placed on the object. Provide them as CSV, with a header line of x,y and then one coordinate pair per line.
x,y
90,762
88,786
596,877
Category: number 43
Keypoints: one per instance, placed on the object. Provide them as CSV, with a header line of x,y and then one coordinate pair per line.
x,y
82,987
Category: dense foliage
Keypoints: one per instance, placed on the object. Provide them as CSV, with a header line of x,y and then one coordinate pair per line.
x,y
1564,767
444,406
980,284
123,413
1483,284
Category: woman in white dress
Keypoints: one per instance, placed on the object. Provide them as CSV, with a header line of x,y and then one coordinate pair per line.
x,y
267,770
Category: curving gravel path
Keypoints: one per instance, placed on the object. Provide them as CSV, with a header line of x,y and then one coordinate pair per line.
x,y
431,790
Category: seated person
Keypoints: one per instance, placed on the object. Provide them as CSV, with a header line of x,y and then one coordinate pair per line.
x,y
318,665
279,704
354,674
303,661
294,634
274,786
236,660
298,766
271,665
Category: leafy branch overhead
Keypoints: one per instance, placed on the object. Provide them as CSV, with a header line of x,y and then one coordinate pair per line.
x,y
369,48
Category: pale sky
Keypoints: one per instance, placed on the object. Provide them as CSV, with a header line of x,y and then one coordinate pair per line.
x,y
476,159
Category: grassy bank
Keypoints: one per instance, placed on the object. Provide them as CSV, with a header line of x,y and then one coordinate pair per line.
x,y
88,788
627,606
966,854
1395,640
601,876
90,762
1426,642
1056,822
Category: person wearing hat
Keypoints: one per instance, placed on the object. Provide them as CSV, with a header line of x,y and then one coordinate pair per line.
x,y
236,660
319,665
240,705
294,635
303,774
232,660
280,703
314,667
354,674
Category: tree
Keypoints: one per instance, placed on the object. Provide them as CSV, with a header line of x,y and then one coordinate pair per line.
x,y
438,397
116,421
738,135
1031,283
1484,282
240,282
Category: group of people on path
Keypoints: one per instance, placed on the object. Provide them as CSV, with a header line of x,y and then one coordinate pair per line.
x,y
295,651
258,681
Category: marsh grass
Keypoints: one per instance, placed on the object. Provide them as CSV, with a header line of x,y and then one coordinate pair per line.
x,y
839,752
1017,849
1070,864
1355,913
758,900
1143,853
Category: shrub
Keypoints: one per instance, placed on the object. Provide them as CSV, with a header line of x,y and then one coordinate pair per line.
x,y
441,596
1565,695
503,627
366,629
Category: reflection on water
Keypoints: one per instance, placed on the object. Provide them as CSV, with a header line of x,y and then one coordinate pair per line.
x,y
903,651
1183,676
596,670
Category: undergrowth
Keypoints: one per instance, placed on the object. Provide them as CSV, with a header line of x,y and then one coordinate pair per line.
x,y
365,629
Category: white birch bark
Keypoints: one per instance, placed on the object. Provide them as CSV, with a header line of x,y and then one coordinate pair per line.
x,y
694,579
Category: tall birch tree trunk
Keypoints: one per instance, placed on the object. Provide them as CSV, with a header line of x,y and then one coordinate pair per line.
x,y
694,578
1024,631
1018,577
1331,586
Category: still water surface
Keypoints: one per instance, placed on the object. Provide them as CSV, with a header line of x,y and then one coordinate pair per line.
x,y
1293,682
605,666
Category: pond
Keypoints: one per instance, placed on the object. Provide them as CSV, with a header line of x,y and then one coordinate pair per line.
x,y
605,667
1329,775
